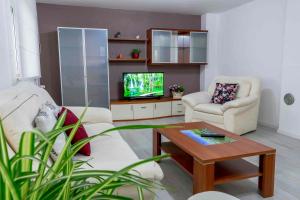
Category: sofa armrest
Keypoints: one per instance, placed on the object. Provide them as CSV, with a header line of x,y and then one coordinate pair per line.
x,y
194,99
93,114
238,103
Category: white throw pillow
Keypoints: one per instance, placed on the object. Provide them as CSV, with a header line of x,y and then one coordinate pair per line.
x,y
53,107
45,122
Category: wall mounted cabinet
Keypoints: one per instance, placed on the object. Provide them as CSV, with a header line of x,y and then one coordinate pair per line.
x,y
176,46
84,72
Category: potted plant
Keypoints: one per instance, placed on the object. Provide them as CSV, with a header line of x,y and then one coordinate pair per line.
x,y
177,91
135,53
29,175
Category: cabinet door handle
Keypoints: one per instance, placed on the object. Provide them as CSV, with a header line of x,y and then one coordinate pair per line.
x,y
179,111
143,107
179,104
131,107
155,106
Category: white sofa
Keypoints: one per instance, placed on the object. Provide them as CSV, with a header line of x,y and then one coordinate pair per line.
x,y
238,116
20,104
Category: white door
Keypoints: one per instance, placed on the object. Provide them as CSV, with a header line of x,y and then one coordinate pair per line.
x,y
162,109
143,111
122,112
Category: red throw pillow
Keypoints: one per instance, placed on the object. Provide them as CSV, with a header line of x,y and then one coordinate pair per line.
x,y
80,134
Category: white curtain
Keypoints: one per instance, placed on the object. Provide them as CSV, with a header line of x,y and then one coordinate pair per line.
x,y
25,30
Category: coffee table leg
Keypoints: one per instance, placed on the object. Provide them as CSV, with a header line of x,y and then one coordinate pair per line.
x,y
156,143
266,181
203,176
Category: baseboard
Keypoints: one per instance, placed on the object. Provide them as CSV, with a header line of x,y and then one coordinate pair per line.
x,y
293,135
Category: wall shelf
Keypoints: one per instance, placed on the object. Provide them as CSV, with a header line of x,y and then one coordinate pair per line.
x,y
120,60
127,40
176,64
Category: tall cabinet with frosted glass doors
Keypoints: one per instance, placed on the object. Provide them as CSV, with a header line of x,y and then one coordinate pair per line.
x,y
84,71
176,46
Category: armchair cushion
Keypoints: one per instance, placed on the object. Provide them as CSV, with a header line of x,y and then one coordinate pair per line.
x,y
210,108
239,103
196,98
93,114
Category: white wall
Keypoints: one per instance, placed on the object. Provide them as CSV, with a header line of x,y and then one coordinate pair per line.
x,y
290,115
7,59
210,22
28,38
250,43
19,46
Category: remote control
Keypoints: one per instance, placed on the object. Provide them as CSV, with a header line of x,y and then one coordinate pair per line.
x,y
212,135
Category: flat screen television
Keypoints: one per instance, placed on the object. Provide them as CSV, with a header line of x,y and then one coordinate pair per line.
x,y
143,85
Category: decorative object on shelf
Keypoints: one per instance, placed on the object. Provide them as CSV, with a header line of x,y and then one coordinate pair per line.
x,y
137,37
135,53
177,91
117,35
120,56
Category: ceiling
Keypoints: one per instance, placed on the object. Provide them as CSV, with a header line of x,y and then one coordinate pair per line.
x,y
195,7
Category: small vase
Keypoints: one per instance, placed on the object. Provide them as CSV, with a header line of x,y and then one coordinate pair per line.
x,y
135,55
177,95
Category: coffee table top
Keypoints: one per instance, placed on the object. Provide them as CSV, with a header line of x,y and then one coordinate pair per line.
x,y
241,147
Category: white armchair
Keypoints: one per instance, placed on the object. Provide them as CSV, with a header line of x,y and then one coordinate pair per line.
x,y
238,116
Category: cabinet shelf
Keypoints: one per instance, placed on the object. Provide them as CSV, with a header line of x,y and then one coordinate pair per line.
x,y
176,47
120,60
177,64
127,40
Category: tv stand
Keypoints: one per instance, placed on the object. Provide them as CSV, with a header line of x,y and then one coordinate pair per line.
x,y
139,109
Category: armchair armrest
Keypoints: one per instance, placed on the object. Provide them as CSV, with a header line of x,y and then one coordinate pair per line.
x,y
194,99
238,103
93,114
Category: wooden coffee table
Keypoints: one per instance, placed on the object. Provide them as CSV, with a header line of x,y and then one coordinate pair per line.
x,y
212,165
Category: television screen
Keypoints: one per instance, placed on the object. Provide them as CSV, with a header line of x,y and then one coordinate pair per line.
x,y
143,85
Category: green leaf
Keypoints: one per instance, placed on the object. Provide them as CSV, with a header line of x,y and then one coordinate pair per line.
x,y
26,148
140,193
9,184
4,194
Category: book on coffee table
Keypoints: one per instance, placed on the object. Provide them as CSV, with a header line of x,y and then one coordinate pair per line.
x,y
196,134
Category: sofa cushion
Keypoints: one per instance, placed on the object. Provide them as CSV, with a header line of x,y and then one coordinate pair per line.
x,y
45,122
209,108
18,116
80,133
111,152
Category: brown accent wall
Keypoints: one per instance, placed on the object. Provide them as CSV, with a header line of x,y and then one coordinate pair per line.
x,y
130,24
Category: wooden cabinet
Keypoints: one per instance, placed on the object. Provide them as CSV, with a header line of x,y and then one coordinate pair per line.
x,y
143,111
122,112
177,108
163,109
146,109
176,46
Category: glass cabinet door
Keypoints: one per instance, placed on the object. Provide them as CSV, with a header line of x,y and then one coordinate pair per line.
x,y
97,67
161,46
72,66
198,47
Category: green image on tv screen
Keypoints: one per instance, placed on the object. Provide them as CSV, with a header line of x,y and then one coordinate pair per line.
x,y
143,84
